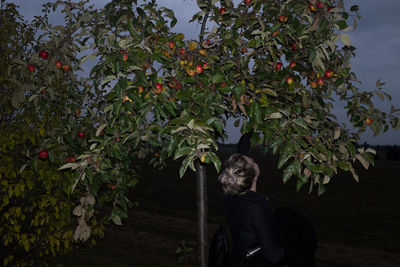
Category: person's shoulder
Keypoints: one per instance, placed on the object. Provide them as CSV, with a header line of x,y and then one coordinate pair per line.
x,y
259,204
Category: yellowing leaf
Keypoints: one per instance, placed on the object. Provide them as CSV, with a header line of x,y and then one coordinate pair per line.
x,y
345,39
192,46
203,52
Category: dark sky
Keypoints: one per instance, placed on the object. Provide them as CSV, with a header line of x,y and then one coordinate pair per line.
x,y
377,39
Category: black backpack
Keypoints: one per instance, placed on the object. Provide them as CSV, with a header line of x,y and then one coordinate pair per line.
x,y
294,232
218,255
297,236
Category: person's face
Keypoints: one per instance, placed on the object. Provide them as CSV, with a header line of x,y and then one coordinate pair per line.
x,y
251,163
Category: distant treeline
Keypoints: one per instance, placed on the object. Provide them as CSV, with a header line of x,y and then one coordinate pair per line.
x,y
383,152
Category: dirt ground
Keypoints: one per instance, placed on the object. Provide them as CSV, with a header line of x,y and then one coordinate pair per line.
x,y
150,239
358,224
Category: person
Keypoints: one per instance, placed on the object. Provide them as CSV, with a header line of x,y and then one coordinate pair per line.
x,y
249,217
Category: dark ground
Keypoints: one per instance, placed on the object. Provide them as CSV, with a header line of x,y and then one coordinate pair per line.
x,y
358,224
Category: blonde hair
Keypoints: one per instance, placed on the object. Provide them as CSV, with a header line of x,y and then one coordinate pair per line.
x,y
237,175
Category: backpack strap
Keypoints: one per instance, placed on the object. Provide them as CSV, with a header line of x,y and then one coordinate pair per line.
x,y
219,255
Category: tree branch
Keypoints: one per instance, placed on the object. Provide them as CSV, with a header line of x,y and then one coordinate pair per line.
x,y
204,22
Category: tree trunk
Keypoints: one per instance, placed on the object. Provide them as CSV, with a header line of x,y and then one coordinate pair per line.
x,y
202,231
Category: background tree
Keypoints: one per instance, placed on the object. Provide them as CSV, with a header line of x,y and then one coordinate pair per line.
x,y
36,201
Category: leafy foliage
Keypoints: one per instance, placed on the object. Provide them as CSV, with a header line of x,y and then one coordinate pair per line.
x,y
276,66
36,202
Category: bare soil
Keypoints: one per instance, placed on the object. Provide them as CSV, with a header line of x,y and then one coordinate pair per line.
x,y
151,239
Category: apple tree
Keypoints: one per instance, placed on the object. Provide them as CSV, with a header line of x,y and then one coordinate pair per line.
x,y
36,202
279,67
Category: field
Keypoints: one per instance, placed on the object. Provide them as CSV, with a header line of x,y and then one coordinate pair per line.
x,y
358,224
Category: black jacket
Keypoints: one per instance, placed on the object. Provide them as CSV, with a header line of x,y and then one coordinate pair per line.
x,y
251,223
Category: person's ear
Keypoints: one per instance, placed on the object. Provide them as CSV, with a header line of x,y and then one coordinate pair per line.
x,y
256,170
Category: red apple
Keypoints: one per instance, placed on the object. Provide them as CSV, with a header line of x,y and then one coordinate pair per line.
x,y
171,45
171,85
182,51
158,88
328,73
319,5
199,69
81,134
208,41
281,18
247,2
140,89
66,68
125,57
190,72
278,66
43,154
320,81
58,64
313,85
368,121
292,64
43,54
71,159
222,10
31,68
289,80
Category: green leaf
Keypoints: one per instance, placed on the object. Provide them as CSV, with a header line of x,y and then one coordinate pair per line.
x,y
354,8
343,165
270,92
116,151
228,66
276,144
215,160
299,184
275,115
283,158
321,189
73,166
342,24
117,220
184,166
182,151
287,174
218,78
351,148
100,129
